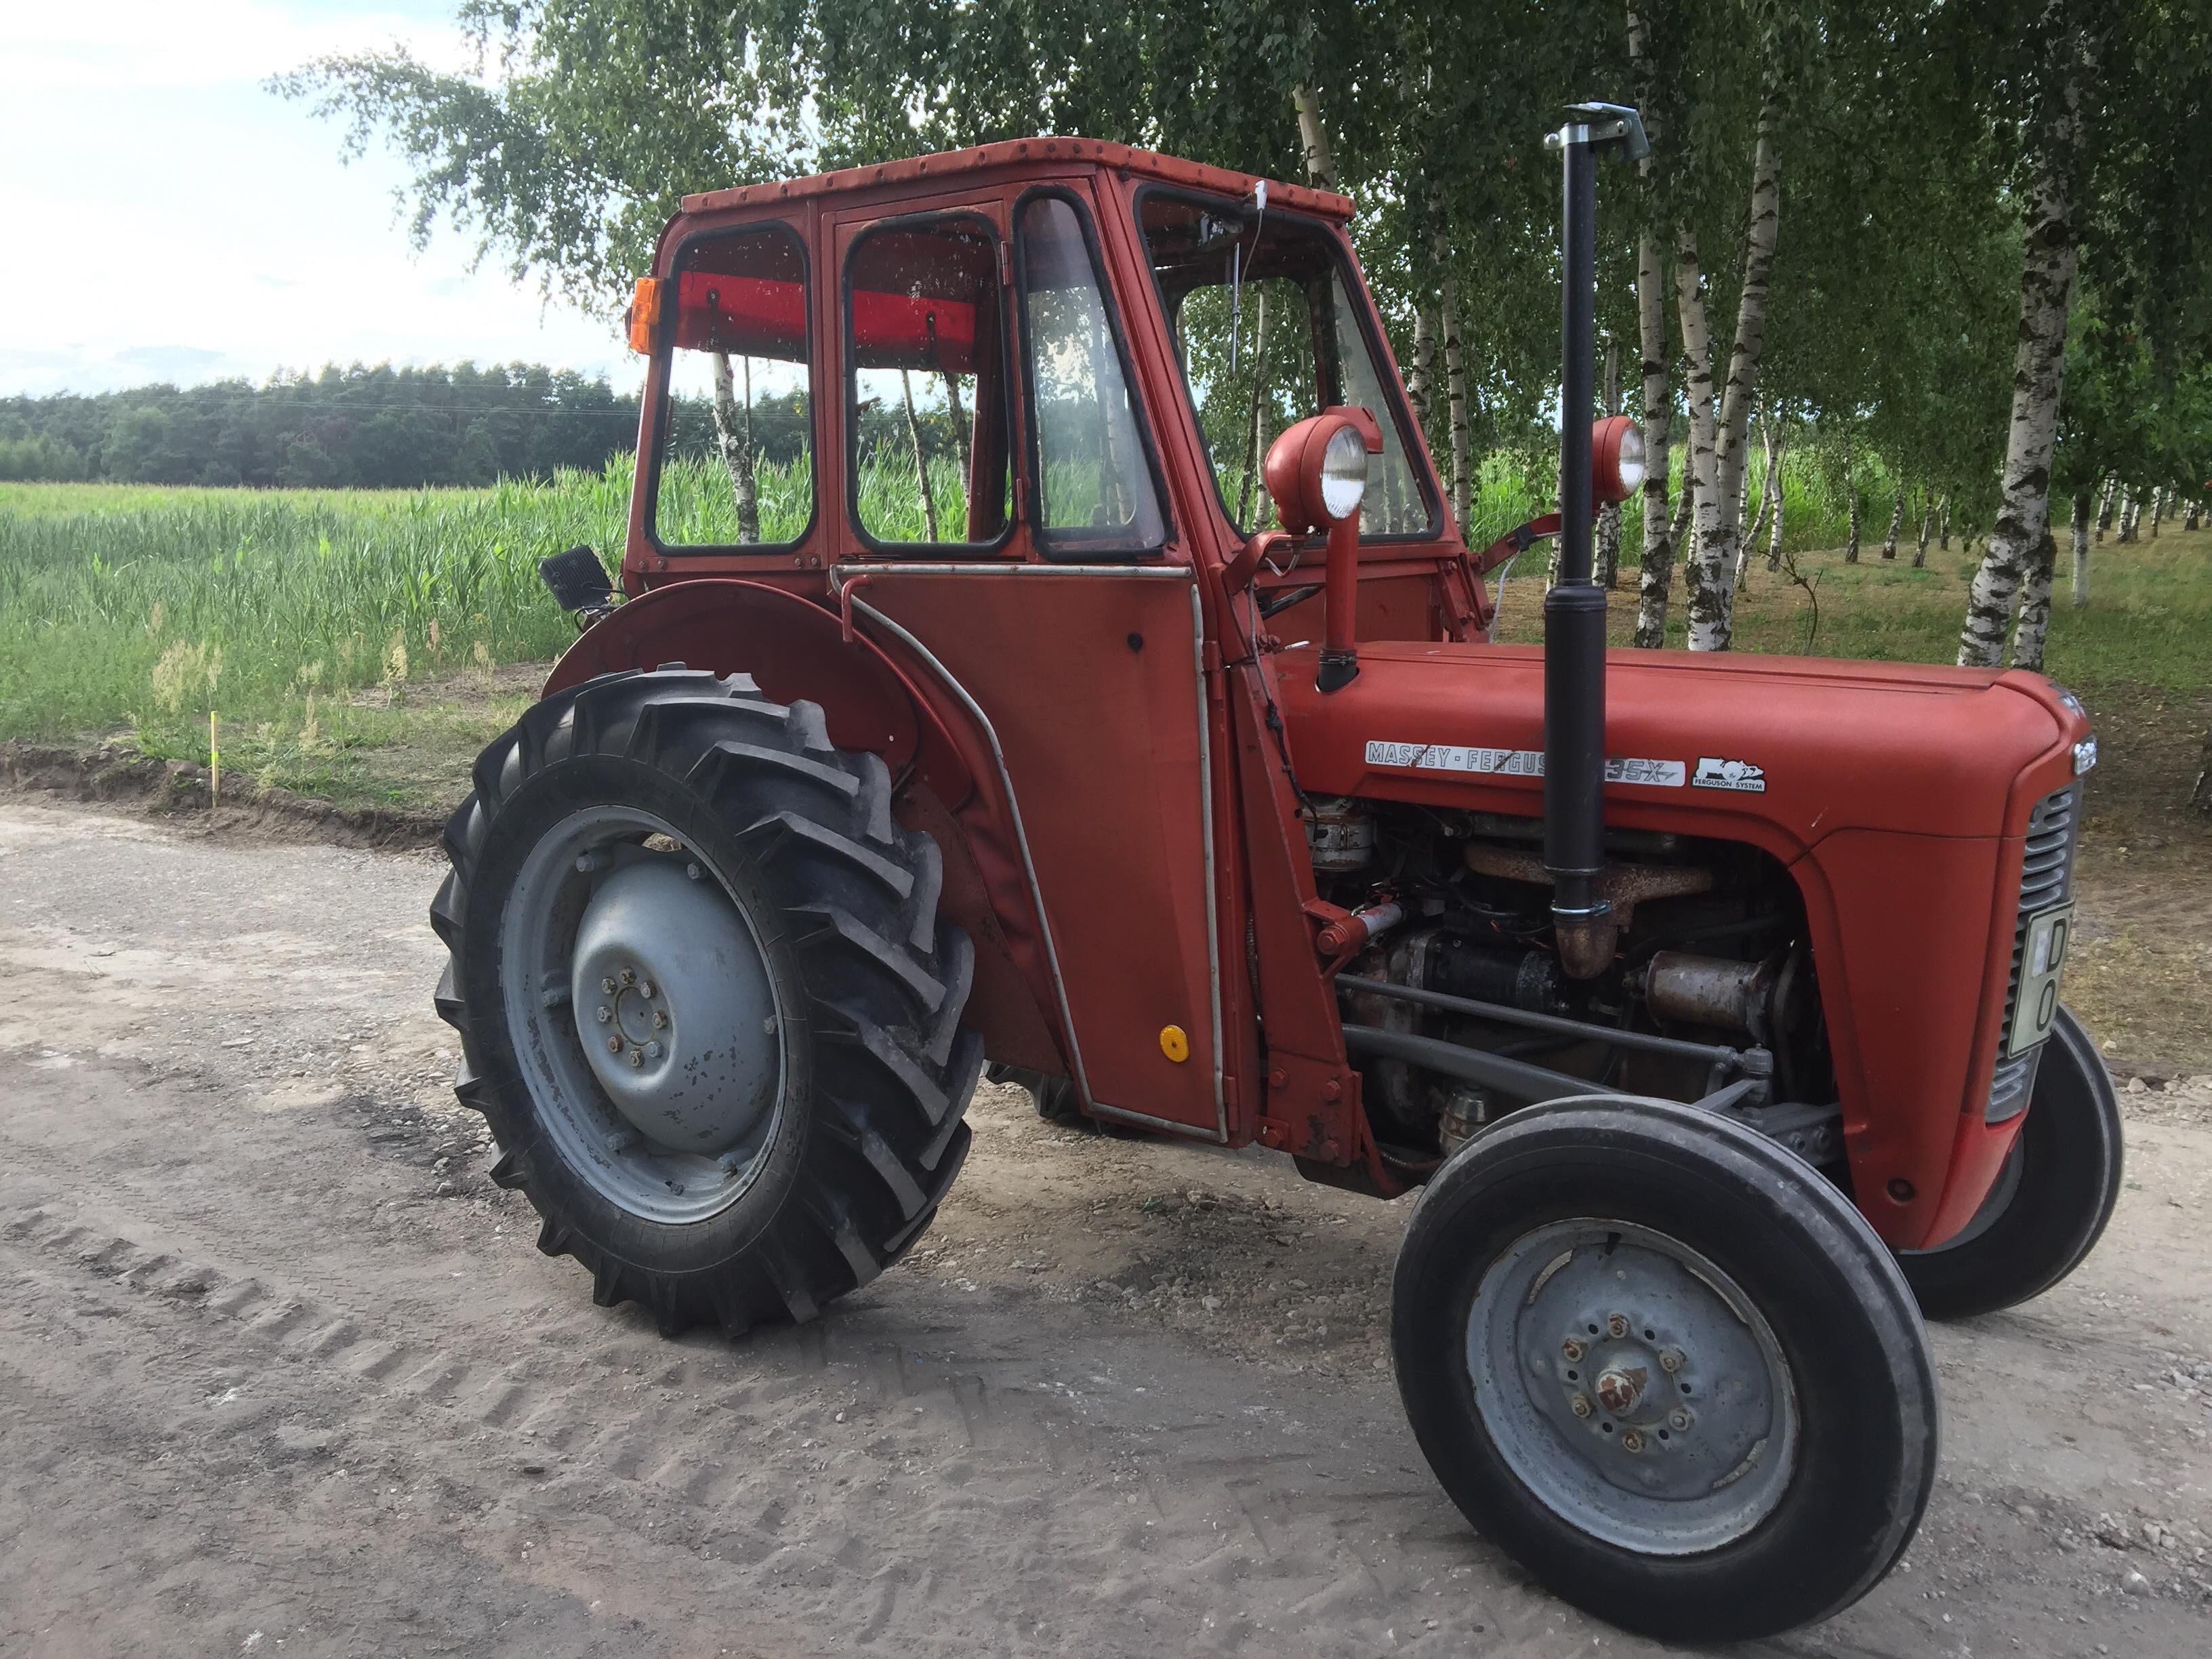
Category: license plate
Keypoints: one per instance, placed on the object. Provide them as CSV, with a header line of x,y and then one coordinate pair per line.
x,y
2044,956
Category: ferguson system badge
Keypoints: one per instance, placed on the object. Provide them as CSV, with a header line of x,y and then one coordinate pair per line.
x,y
1716,773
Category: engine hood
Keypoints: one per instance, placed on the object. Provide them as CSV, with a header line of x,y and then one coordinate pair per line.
x,y
1799,747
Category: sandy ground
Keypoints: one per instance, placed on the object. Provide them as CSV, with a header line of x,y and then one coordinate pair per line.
x,y
280,1370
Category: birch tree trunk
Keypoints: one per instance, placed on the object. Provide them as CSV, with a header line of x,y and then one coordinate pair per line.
x,y
1608,552
1927,528
2104,506
1852,489
2046,288
733,435
921,460
1704,596
2035,606
1774,526
2196,513
2157,509
2131,510
2081,551
1420,381
1655,568
1943,527
1321,163
1717,562
1455,397
1255,415
1896,527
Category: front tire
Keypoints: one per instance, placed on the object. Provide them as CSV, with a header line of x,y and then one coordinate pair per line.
x,y
2049,1205
704,999
1665,1367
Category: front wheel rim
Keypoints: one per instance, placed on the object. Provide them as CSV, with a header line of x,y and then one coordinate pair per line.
x,y
1631,1386
643,1014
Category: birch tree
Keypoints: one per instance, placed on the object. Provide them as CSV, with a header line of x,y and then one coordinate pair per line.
x,y
2048,258
733,435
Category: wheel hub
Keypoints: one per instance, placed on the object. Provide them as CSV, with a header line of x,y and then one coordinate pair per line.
x,y
673,1008
1631,1385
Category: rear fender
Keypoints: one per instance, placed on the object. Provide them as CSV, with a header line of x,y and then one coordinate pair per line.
x,y
873,698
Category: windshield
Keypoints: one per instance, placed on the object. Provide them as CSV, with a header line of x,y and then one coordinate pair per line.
x,y
1267,333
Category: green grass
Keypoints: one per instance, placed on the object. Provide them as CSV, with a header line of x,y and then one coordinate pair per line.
x,y
331,630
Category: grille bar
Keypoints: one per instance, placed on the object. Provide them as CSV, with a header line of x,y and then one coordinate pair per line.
x,y
2046,878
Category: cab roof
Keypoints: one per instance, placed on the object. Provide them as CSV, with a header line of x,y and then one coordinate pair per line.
x,y
1019,156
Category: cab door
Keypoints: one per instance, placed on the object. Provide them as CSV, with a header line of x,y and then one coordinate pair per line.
x,y
1003,500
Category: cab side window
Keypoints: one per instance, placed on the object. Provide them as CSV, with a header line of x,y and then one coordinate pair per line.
x,y
736,467
927,388
1096,493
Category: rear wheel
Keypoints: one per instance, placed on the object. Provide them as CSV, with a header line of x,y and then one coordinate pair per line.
x,y
1666,1367
704,998
2050,1203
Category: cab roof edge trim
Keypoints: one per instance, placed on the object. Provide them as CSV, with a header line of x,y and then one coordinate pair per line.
x,y
1015,153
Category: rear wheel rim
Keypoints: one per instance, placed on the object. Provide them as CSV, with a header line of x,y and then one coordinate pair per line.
x,y
1631,1386
643,1014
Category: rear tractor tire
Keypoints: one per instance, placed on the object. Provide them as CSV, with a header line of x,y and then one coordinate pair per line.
x,y
704,999
2052,1199
1666,1367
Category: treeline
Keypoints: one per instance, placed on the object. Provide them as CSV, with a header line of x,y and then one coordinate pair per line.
x,y
366,426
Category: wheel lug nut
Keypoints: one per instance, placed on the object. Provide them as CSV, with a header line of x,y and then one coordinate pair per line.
x,y
1670,1360
653,1051
604,1013
636,1058
587,863
1678,1419
1632,1441
629,977
694,872
614,1043
1617,1325
1579,1405
660,1020
645,989
1571,1349
608,987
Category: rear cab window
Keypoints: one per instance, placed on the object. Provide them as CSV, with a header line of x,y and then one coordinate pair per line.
x,y
734,465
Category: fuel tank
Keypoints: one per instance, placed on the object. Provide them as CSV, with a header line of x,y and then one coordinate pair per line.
x,y
1898,796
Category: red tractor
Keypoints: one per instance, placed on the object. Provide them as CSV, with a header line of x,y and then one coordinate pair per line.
x,y
962,710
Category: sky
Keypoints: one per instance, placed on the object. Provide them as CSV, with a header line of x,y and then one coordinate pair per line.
x,y
163,217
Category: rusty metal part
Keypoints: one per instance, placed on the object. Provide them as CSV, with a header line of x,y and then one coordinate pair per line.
x,y
1580,1405
1737,996
1632,1441
1670,1360
1465,1111
1617,1325
1587,945
1621,1388
1572,1349
1339,834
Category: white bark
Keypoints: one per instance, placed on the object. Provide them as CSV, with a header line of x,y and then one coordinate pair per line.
x,y
2157,509
921,460
2196,514
2130,512
2104,506
2081,551
1774,526
1927,529
1420,382
2046,287
1455,399
1703,596
1321,164
1896,527
2035,606
733,434
1656,569
1851,484
1608,552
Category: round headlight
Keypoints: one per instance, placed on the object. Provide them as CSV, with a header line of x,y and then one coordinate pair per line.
x,y
1343,474
1630,465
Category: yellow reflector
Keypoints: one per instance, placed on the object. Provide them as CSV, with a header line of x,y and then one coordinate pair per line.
x,y
645,314
1174,1043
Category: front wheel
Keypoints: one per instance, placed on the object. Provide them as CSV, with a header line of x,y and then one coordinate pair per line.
x,y
1665,1367
2050,1200
704,997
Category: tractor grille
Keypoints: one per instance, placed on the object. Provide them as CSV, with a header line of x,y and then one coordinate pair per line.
x,y
2047,877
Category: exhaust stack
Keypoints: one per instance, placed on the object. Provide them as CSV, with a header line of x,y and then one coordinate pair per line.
x,y
1574,611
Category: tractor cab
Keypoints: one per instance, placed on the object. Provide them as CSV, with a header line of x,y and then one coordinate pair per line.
x,y
1041,651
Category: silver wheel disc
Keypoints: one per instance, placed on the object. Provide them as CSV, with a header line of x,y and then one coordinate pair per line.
x,y
643,1016
1631,1386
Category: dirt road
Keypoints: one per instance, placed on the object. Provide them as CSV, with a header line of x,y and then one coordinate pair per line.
x,y
280,1371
